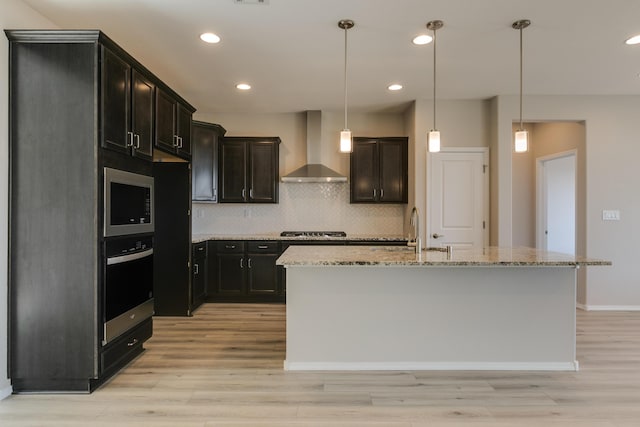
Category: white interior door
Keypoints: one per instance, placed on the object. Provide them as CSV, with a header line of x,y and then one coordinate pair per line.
x,y
557,203
458,203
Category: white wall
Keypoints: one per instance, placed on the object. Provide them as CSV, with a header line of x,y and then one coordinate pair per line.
x,y
612,174
14,15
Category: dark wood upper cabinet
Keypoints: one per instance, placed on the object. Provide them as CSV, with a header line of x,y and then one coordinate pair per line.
x,y
173,125
127,107
379,170
204,161
248,169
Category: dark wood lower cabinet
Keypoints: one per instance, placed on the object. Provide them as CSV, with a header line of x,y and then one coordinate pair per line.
x,y
246,270
199,275
243,271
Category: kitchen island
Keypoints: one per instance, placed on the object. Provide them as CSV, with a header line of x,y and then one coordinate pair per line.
x,y
388,308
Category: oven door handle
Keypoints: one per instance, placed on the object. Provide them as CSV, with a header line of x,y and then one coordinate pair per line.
x,y
130,257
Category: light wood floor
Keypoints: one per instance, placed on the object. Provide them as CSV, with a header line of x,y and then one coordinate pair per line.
x,y
223,367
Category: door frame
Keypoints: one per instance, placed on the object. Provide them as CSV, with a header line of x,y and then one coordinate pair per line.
x,y
485,188
541,198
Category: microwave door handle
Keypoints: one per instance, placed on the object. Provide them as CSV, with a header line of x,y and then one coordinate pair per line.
x,y
130,257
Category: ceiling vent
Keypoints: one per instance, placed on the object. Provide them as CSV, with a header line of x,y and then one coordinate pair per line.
x,y
251,1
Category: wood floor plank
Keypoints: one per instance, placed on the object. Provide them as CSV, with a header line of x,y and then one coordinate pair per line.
x,y
223,367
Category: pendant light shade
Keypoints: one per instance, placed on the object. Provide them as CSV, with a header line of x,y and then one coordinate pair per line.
x,y
521,136
346,145
434,134
346,140
521,141
434,141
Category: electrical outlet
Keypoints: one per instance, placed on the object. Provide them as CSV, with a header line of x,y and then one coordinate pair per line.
x,y
611,215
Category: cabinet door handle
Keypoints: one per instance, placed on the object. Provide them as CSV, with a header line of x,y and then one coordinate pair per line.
x,y
137,137
130,141
249,262
244,193
175,141
179,142
263,246
251,193
241,262
196,270
381,193
374,193
132,343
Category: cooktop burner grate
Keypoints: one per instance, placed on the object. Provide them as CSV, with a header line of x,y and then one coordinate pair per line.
x,y
313,234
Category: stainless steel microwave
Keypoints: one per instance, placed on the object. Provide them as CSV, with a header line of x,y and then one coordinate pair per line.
x,y
128,203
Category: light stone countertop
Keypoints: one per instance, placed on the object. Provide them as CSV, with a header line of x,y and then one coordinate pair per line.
x,y
406,256
198,238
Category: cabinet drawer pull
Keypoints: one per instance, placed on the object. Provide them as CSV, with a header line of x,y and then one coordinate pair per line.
x,y
230,246
263,246
132,343
200,249
196,269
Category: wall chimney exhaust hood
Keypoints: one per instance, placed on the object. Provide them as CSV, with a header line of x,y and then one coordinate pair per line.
x,y
314,171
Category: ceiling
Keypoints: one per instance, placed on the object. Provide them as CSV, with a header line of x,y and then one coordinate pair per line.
x,y
292,51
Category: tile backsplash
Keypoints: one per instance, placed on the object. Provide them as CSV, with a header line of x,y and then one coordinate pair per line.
x,y
303,206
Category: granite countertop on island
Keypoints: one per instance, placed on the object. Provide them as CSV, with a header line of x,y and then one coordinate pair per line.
x,y
198,238
405,256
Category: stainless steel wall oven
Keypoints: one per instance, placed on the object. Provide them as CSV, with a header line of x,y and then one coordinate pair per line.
x,y
128,289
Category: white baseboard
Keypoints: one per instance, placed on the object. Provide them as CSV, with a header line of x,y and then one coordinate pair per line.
x,y
431,366
588,307
6,392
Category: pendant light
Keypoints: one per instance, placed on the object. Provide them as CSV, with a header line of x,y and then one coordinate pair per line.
x,y
346,141
434,134
521,137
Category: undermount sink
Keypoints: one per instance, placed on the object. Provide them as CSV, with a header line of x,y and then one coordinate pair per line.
x,y
393,248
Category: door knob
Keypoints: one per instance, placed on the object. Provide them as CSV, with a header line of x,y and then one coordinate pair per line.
x,y
437,236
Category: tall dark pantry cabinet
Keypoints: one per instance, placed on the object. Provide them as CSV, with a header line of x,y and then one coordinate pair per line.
x,y
80,109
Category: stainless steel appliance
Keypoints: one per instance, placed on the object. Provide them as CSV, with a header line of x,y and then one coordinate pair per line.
x,y
128,203
128,284
313,234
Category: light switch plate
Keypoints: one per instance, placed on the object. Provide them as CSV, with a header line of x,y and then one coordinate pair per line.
x,y
611,215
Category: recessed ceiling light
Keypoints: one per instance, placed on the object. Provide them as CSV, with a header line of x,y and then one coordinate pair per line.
x,y
209,38
422,39
633,40
395,86
243,86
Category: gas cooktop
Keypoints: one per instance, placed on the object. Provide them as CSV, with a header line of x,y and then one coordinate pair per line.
x,y
313,234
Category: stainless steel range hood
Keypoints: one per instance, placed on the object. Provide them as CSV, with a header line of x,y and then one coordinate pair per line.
x,y
314,171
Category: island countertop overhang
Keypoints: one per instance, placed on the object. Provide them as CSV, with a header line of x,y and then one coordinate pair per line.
x,y
390,256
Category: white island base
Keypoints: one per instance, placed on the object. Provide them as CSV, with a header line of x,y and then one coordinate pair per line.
x,y
366,317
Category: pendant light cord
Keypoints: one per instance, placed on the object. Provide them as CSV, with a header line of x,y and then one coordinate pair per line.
x,y
345,78
434,79
521,55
